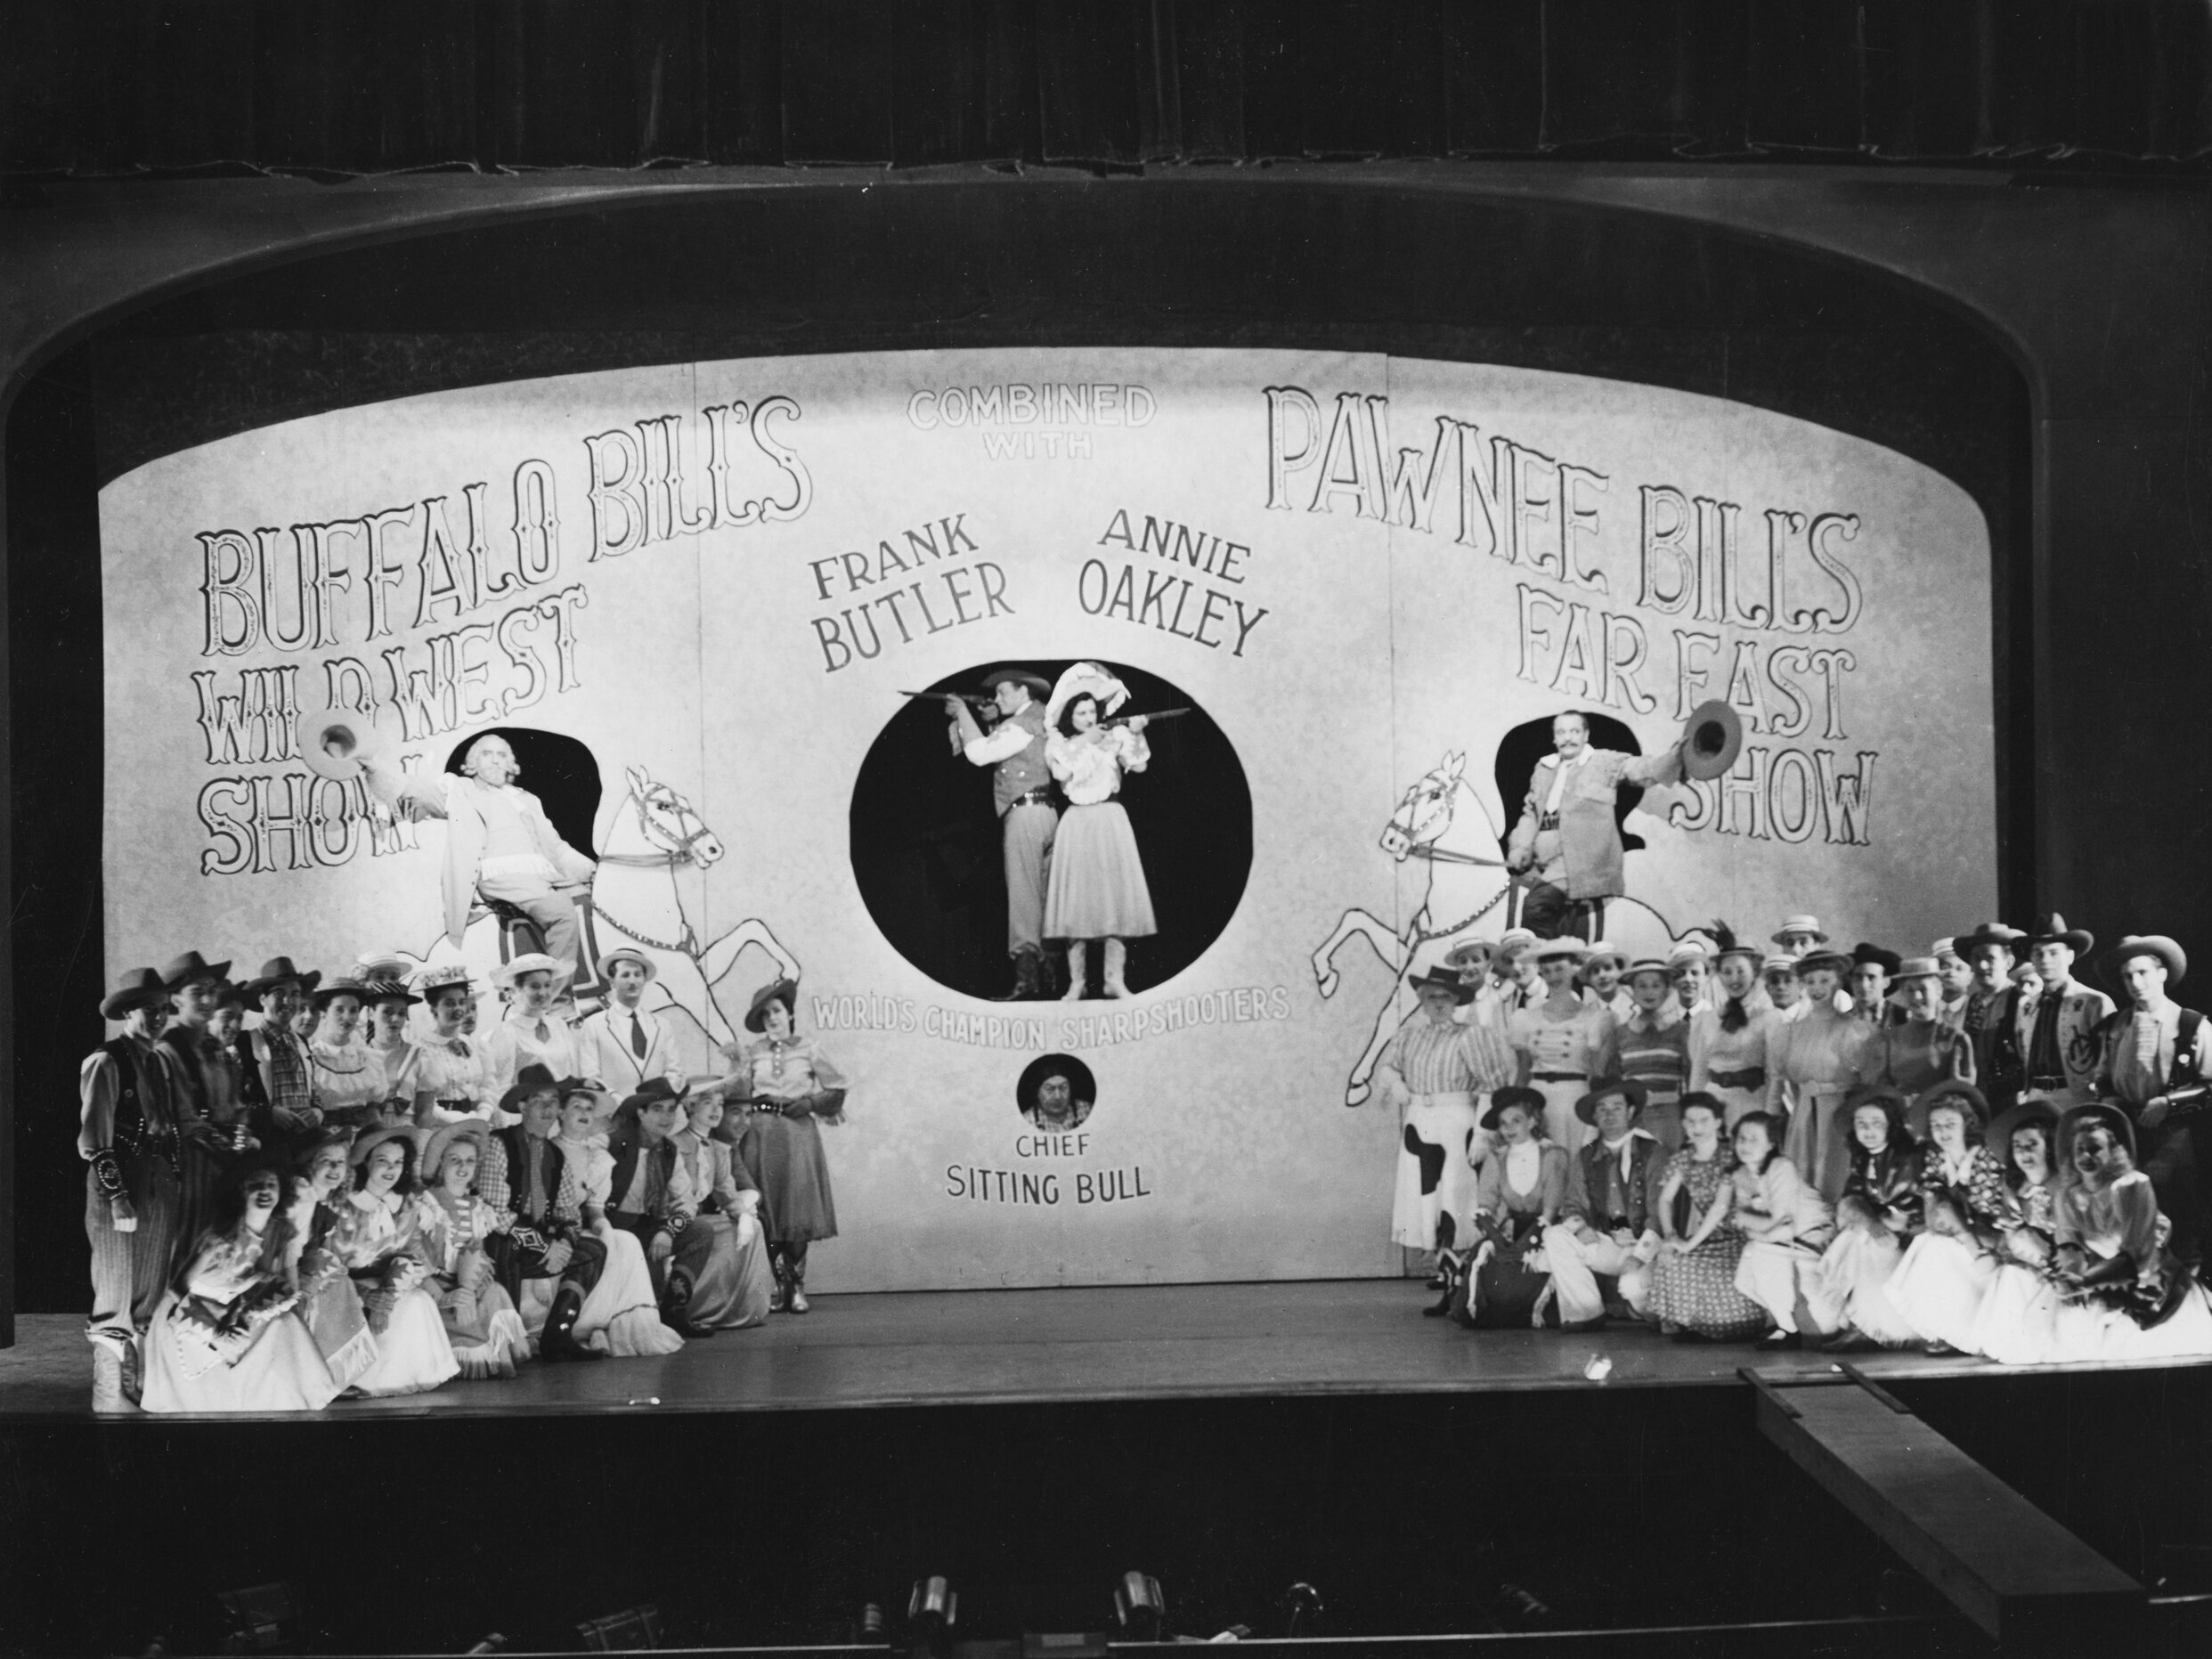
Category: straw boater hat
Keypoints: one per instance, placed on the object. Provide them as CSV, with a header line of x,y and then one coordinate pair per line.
x,y
1947,946
1688,951
2152,945
530,962
1951,1092
383,964
1515,938
436,1142
374,991
2110,1113
2024,971
1085,680
2051,930
1775,964
191,967
627,953
1549,950
322,995
138,988
1586,1109
1915,968
992,677
1471,956
1646,965
2031,1108
430,981
1604,950
784,991
369,1139
274,973
1800,924
1512,1094
1437,979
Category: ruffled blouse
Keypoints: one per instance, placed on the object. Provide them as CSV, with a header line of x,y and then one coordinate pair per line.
x,y
1090,772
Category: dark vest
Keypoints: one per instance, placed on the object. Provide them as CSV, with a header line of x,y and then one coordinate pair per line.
x,y
144,1120
1019,773
1616,1199
626,1151
516,1142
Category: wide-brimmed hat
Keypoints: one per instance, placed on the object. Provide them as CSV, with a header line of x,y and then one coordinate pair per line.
x,y
1687,951
991,678
784,991
1437,979
627,953
1470,953
1586,1109
430,981
135,987
1085,680
376,1135
652,1092
1567,945
1515,938
2051,929
375,991
1865,955
1834,960
531,1079
1968,1099
2109,1112
436,1142
322,995
1514,1095
1946,947
274,973
2152,945
530,962
1647,964
1800,924
1605,950
2030,1109
182,971
1915,968
1988,933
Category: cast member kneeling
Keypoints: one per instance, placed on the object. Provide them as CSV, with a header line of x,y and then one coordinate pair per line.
x,y
1504,1280
1609,1225
738,1286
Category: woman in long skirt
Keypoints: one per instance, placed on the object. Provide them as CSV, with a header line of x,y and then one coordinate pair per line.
x,y
1875,1218
1967,1209
787,1086
2017,1321
2125,1295
736,1286
228,1336
1813,1063
375,1238
1692,1278
1562,1042
622,1314
1505,1281
452,1224
1097,889
329,1299
1786,1223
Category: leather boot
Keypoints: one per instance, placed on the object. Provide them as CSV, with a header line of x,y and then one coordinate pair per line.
x,y
108,1397
1025,978
1116,960
795,1300
135,1369
1074,993
675,1308
781,1269
557,1344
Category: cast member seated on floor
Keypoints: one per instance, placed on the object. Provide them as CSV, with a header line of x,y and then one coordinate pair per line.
x,y
1503,1282
453,1231
228,1337
330,1301
1433,1070
1786,1225
374,1236
737,1287
2017,1325
626,1301
1692,1278
651,1198
787,1086
1652,1049
1876,1217
1966,1209
2126,1297
1601,1247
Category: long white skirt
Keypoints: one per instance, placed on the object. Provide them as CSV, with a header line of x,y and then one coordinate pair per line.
x,y
622,1316
734,1289
1448,1121
1098,889
1940,1285
2084,1330
2018,1324
413,1353
283,1371
1852,1286
1771,1274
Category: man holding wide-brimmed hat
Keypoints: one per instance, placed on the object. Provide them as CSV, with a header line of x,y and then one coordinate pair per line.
x,y
1433,1070
2157,1057
1566,843
1609,1225
1021,789
625,1043
2056,1031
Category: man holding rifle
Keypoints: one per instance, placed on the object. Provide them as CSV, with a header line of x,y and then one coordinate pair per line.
x,y
1021,787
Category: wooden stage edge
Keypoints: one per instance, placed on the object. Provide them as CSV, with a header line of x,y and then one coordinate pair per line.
x,y
1024,1347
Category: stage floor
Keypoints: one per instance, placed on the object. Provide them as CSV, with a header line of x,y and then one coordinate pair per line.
x,y
985,1347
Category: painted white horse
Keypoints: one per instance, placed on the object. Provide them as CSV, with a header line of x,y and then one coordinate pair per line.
x,y
651,884
1441,820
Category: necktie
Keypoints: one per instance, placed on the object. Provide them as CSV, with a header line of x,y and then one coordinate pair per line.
x,y
636,1037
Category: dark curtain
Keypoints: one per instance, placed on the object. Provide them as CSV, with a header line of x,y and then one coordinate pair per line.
x,y
354,87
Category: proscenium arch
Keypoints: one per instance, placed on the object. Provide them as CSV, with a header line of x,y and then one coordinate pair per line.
x,y
1518,264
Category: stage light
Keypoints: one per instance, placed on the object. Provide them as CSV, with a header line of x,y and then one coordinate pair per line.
x,y
1140,1609
873,1628
933,1610
264,1619
1303,1603
633,1629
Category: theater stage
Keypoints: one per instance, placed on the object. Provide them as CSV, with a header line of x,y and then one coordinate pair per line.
x,y
1152,1342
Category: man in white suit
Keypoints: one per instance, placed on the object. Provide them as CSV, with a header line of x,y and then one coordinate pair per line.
x,y
624,1044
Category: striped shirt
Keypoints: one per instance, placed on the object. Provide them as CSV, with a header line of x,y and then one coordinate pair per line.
x,y
1446,1058
1655,1056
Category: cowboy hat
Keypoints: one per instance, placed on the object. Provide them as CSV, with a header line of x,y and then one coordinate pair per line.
x,y
531,1079
1512,1094
2031,1108
784,991
2152,945
2108,1112
529,962
992,677
274,973
182,971
1810,926
1868,955
1988,933
651,1093
1915,968
1586,1109
1437,979
1952,1090
369,1139
436,1142
627,953
2051,930
139,988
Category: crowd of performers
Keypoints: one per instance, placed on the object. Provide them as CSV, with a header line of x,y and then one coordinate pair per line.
x,y
1969,1150
299,1189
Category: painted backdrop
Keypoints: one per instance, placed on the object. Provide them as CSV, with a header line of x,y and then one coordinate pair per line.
x,y
1367,574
